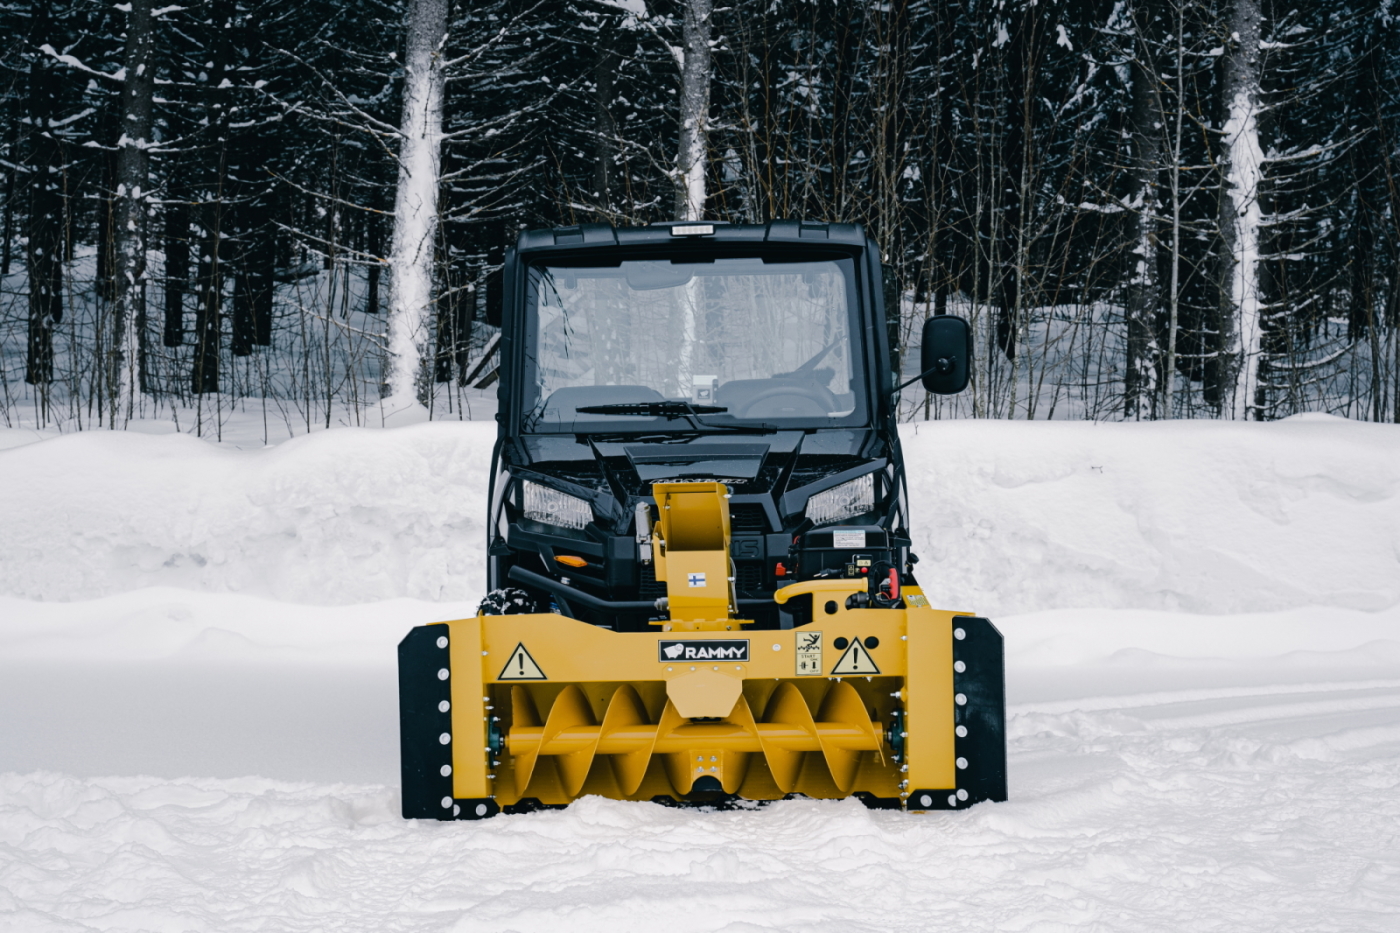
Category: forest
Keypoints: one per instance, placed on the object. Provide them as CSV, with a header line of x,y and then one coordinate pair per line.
x,y
1147,209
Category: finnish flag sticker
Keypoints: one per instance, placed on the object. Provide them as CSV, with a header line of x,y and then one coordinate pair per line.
x,y
696,579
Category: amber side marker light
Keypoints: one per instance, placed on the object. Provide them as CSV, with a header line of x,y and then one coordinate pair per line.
x,y
569,560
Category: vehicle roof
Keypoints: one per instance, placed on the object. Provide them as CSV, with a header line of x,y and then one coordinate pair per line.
x,y
592,236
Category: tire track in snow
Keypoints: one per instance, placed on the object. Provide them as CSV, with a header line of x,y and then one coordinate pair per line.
x,y
1116,823
1166,697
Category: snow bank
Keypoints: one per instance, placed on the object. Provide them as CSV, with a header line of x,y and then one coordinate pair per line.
x,y
1010,517
173,682
1206,517
162,623
336,517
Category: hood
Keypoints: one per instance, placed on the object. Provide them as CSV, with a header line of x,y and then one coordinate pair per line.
x,y
621,469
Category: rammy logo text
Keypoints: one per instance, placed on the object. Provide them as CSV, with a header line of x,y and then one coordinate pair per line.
x,y
708,650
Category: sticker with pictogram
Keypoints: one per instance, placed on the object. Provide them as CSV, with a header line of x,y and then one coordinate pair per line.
x,y
521,666
856,660
809,653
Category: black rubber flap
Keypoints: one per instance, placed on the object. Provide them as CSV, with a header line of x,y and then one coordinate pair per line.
x,y
983,685
424,718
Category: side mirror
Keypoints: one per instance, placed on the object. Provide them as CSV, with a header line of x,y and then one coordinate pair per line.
x,y
946,354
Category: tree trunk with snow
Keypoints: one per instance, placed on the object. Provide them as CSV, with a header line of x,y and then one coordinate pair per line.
x,y
1238,328
211,213
1140,378
695,64
44,241
411,255
133,172
1178,138
604,69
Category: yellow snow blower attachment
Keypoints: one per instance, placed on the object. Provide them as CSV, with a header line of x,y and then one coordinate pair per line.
x,y
700,572
899,706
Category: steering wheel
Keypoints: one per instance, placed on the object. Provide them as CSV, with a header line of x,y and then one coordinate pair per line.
x,y
789,401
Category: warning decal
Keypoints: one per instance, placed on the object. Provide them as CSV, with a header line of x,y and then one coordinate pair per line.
x,y
809,653
856,660
521,666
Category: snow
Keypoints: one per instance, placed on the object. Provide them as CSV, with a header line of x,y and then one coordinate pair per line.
x,y
334,517
1208,517
1203,665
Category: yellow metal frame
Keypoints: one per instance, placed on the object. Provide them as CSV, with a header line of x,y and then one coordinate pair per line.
x,y
691,547
637,715
614,717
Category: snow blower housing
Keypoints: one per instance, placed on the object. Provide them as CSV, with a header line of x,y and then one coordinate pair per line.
x,y
699,553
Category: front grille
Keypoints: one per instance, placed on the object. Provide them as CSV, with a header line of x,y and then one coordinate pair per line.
x,y
748,578
748,518
650,588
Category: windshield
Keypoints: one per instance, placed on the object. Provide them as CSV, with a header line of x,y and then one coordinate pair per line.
x,y
769,342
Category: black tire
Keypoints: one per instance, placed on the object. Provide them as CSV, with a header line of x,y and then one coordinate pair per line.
x,y
509,601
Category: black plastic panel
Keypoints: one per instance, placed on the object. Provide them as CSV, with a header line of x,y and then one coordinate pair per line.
x,y
748,518
983,683
934,799
422,722
475,808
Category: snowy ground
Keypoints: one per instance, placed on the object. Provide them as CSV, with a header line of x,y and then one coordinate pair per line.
x,y
197,711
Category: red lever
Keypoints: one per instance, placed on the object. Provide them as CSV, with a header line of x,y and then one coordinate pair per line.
x,y
894,584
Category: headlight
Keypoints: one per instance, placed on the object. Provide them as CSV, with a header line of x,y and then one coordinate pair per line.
x,y
553,507
853,498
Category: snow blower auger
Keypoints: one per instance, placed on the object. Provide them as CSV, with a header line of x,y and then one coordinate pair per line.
x,y
698,550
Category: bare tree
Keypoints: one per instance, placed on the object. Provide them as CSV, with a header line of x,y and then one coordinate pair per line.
x,y
1238,327
209,307
412,255
694,59
1174,174
1146,120
133,174
44,241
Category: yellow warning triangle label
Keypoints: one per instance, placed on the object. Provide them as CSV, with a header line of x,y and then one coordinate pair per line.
x,y
521,666
856,660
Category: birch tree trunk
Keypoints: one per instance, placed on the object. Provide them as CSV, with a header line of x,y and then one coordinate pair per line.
x,y
1140,378
695,109
1238,336
411,254
133,172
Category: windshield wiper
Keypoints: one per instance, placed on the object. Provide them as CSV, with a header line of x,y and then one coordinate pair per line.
x,y
671,409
